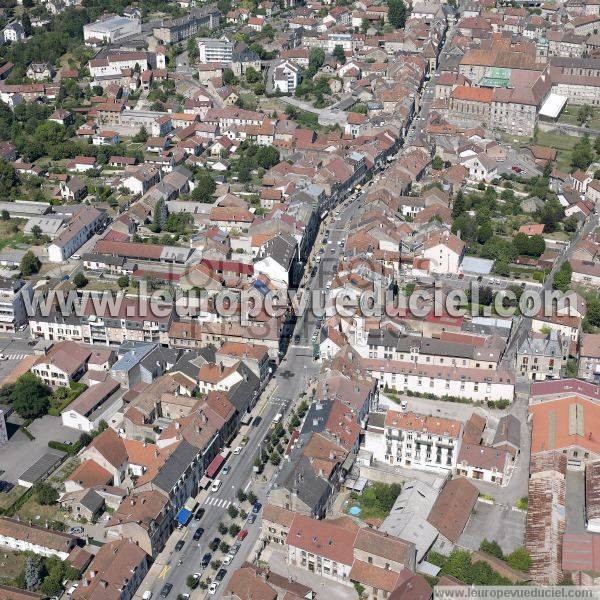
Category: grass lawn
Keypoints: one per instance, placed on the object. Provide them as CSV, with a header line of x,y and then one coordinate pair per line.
x,y
9,499
39,514
562,143
11,564
375,501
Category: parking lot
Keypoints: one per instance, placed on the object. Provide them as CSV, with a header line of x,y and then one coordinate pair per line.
x,y
494,522
20,452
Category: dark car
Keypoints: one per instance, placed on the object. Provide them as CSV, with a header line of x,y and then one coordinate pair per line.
x,y
220,574
199,514
166,590
214,544
251,518
179,545
296,339
206,560
256,422
314,271
256,508
198,533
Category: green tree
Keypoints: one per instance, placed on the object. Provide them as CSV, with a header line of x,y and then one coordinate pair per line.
x,y
36,232
229,77
592,314
437,163
485,232
8,179
252,75
582,155
597,145
30,397
458,206
584,114
252,498
562,279
141,137
45,494
547,170
159,216
80,280
491,547
234,529
551,214
570,224
224,547
267,157
519,559
222,528
241,495
466,226
191,582
30,264
205,187
339,54
316,58
232,511
397,13
32,573
123,281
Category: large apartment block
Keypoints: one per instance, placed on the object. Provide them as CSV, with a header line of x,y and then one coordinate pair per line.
x,y
407,439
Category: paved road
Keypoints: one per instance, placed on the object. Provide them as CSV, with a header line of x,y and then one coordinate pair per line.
x,y
291,379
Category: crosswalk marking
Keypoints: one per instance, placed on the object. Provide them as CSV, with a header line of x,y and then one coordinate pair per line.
x,y
16,356
219,502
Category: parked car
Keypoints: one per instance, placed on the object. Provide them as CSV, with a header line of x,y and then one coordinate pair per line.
x,y
198,533
242,534
206,560
199,514
179,545
251,518
227,560
256,508
166,590
76,530
226,470
256,422
220,575
214,544
147,595
237,450
212,588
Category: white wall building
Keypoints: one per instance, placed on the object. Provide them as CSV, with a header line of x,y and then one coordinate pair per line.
x,y
111,30
286,76
79,230
19,536
13,295
416,441
479,385
215,51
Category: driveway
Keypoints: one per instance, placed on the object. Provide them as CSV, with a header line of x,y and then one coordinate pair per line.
x,y
20,452
494,522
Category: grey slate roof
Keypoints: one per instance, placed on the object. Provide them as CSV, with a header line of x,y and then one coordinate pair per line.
x,y
175,466
508,431
298,475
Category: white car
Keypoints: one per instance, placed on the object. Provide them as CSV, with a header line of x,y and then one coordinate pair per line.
x,y
227,560
237,450
197,575
212,588
147,595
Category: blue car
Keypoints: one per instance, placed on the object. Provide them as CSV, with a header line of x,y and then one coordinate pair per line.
x,y
256,508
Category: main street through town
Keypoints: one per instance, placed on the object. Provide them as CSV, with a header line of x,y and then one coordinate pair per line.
x,y
292,378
